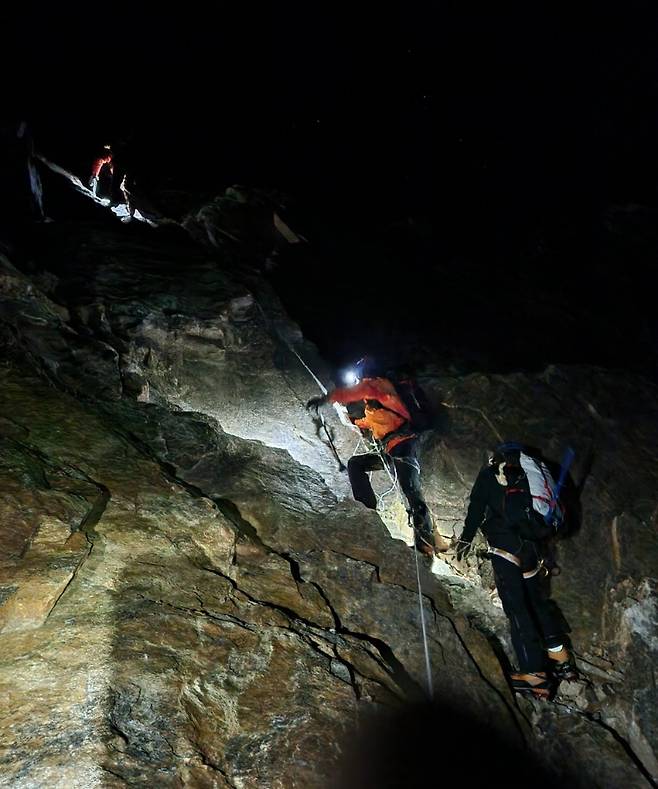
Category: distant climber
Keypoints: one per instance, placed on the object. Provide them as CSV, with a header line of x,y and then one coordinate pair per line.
x,y
501,506
123,177
104,160
389,421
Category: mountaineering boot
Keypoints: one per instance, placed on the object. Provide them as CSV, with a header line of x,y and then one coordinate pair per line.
x,y
536,684
562,666
421,523
424,542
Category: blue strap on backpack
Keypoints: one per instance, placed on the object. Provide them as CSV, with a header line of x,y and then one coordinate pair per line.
x,y
567,460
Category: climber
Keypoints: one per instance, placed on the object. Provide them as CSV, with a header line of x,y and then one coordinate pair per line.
x,y
123,178
105,159
388,420
515,552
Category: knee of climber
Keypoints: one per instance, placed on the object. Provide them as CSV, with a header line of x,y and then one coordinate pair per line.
x,y
353,465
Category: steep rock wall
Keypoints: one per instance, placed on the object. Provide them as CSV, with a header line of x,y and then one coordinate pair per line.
x,y
189,595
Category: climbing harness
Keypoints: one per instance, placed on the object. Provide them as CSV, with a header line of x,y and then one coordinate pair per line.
x,y
510,557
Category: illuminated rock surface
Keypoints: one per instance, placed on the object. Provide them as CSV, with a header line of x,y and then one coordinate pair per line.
x,y
188,594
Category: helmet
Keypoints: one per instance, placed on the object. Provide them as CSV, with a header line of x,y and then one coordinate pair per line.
x,y
507,452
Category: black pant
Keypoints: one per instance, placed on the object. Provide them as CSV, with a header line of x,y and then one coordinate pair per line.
x,y
402,461
530,615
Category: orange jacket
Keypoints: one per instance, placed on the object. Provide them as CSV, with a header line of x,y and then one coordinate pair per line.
x,y
380,421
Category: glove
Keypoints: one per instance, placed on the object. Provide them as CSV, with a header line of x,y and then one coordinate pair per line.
x,y
463,550
93,183
316,402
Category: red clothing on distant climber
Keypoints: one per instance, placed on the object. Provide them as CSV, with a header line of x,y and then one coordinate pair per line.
x,y
98,164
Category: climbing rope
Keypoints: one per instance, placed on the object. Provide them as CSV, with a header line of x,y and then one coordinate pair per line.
x,y
323,388
369,449
391,470
428,669
393,476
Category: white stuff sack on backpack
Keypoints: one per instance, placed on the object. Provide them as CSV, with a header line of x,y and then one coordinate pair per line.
x,y
542,487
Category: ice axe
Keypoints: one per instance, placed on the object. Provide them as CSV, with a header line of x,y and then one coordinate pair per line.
x,y
323,389
341,465
277,332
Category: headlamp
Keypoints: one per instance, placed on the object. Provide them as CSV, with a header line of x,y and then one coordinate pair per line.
x,y
350,377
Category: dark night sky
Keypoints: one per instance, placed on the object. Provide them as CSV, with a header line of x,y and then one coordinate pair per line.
x,y
528,102
505,129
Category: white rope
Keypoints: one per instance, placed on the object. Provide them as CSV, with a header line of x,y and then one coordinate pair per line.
x,y
393,477
396,484
361,440
428,669
338,408
323,388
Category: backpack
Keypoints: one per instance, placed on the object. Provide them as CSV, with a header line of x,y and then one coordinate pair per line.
x,y
530,504
416,403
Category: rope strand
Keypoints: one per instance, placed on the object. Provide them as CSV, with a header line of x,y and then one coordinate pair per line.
x,y
396,485
428,668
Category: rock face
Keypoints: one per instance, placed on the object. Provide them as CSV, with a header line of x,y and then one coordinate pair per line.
x,y
188,594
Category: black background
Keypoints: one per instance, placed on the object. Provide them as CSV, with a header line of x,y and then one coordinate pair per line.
x,y
493,141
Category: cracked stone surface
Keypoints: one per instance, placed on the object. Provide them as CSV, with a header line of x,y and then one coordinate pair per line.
x,y
188,594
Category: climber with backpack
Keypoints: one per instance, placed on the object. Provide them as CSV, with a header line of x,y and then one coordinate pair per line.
x,y
515,502
394,415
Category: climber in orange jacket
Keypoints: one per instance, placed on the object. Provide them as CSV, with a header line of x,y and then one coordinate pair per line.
x,y
384,413
104,159
389,421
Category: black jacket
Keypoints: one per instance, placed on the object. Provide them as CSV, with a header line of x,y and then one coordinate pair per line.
x,y
486,510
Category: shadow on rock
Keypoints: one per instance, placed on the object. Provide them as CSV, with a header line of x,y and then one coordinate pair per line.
x,y
425,745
